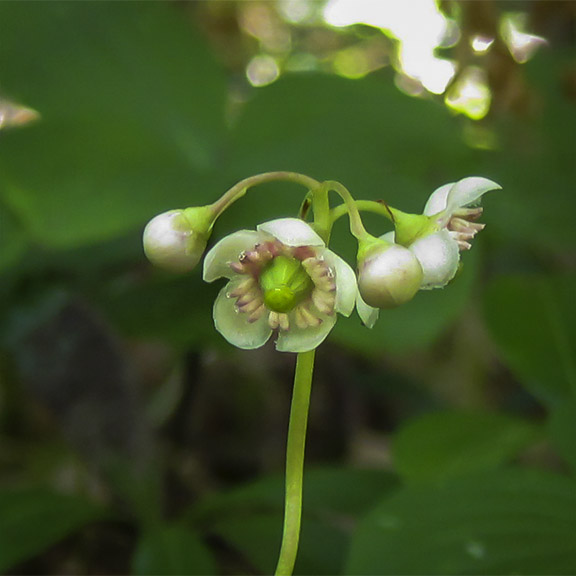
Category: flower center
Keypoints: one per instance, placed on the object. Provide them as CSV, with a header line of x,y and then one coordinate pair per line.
x,y
285,283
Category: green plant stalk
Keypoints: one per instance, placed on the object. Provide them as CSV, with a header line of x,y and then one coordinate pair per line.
x,y
295,462
356,226
362,206
240,188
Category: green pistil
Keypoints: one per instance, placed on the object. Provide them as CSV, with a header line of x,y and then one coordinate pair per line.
x,y
285,284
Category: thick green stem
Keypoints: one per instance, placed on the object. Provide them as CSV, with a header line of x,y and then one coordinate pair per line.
x,y
295,462
240,188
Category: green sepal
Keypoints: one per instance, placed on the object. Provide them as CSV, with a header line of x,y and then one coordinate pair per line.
x,y
368,245
410,227
201,219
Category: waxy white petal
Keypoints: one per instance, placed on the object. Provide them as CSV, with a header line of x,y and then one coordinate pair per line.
x,y
304,339
234,325
292,232
468,191
438,200
217,261
367,313
438,255
346,288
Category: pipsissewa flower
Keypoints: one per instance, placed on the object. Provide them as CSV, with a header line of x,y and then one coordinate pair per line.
x,y
447,227
435,238
282,279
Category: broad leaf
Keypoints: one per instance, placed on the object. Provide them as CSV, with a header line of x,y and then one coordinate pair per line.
x,y
445,444
563,430
172,549
251,517
32,520
533,321
131,104
513,522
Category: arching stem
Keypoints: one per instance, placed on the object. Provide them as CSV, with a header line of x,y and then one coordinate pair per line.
x,y
240,188
380,208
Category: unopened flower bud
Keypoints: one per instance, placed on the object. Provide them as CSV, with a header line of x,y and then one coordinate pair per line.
x,y
439,257
176,240
389,274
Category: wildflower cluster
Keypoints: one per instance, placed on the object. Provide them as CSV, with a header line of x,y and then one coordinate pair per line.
x,y
284,280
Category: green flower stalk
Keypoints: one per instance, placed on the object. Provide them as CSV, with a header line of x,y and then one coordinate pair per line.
x,y
283,280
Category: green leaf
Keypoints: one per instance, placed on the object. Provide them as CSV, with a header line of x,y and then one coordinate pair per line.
x,y
251,517
172,549
537,169
32,520
364,133
12,239
533,321
176,310
442,445
513,522
562,426
131,103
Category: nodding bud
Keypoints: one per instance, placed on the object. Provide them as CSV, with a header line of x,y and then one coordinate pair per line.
x,y
389,274
176,240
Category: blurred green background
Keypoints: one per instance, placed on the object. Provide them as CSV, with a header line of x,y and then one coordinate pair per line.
x,y
133,438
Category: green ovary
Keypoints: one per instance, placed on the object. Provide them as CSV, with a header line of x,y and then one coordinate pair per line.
x,y
285,284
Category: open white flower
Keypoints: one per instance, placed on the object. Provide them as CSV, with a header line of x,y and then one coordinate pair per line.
x,y
437,237
282,278
453,210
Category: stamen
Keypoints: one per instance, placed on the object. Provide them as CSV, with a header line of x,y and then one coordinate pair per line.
x,y
274,320
460,225
306,317
246,286
320,273
324,301
303,253
257,314
250,306
246,298
469,213
301,321
283,322
238,267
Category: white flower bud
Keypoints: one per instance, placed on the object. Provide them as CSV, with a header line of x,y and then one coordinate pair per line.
x,y
389,276
438,255
171,241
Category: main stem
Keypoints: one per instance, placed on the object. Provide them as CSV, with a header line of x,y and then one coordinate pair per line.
x,y
295,461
